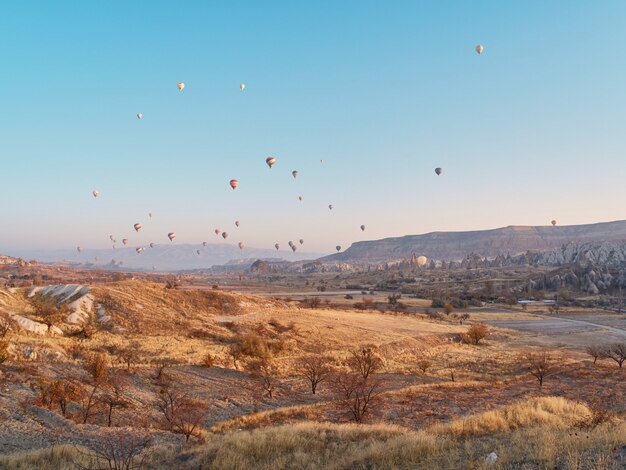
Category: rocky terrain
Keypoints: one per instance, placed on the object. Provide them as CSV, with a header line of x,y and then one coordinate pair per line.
x,y
512,240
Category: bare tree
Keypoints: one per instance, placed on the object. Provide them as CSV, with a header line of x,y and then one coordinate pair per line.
x,y
112,396
235,351
5,324
181,414
130,354
356,394
122,450
541,365
365,361
594,351
265,369
476,333
97,366
313,368
616,352
87,400
424,360
464,317
50,311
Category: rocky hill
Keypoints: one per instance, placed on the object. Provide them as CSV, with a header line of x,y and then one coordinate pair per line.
x,y
512,240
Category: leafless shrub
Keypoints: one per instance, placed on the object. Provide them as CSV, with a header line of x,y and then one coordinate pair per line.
x,y
594,351
87,401
172,283
476,333
49,310
122,450
311,302
541,365
112,396
365,304
181,414
313,368
6,324
424,361
129,355
4,352
235,352
356,395
615,352
97,366
208,360
265,369
448,308
598,416
365,361
57,393
464,317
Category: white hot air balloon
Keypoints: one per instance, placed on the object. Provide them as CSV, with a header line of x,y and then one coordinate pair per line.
x,y
95,193
242,86
422,260
79,249
139,115
479,49
125,241
181,86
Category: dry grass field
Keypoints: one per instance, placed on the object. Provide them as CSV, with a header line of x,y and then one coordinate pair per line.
x,y
207,378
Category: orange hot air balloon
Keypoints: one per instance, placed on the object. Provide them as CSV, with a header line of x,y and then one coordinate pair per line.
x,y
553,223
181,86
234,183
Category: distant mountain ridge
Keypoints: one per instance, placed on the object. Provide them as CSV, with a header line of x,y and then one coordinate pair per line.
x,y
511,240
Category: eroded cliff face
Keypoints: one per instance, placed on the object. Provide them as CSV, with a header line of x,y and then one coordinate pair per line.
x,y
512,240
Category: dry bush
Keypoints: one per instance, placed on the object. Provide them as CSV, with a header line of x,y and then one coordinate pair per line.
x,y
476,333
112,396
181,414
236,353
129,355
208,360
365,361
540,365
265,369
615,352
598,415
437,316
314,368
4,352
356,394
311,302
594,351
365,304
87,401
464,317
57,393
424,360
97,365
122,450
448,308
49,310
6,324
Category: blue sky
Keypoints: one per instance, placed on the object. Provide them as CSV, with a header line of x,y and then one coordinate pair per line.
x,y
382,92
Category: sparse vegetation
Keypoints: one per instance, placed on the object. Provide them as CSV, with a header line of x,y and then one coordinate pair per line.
x,y
476,333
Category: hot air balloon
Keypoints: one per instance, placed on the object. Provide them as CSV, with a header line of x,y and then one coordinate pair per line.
x,y
300,198
479,49
112,238
242,86
301,241
151,245
422,260
294,173
338,247
240,245
171,236
553,222
139,115
277,246
270,161
293,248
362,228
180,86
438,171
237,223
204,243
95,193
224,235
234,183
217,231
330,206
290,243
137,227
125,241
198,251
79,249
150,214
139,250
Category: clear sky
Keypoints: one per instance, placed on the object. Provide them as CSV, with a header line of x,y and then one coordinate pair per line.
x,y
382,92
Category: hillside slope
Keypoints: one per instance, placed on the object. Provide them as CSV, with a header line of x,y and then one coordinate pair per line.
x,y
456,245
